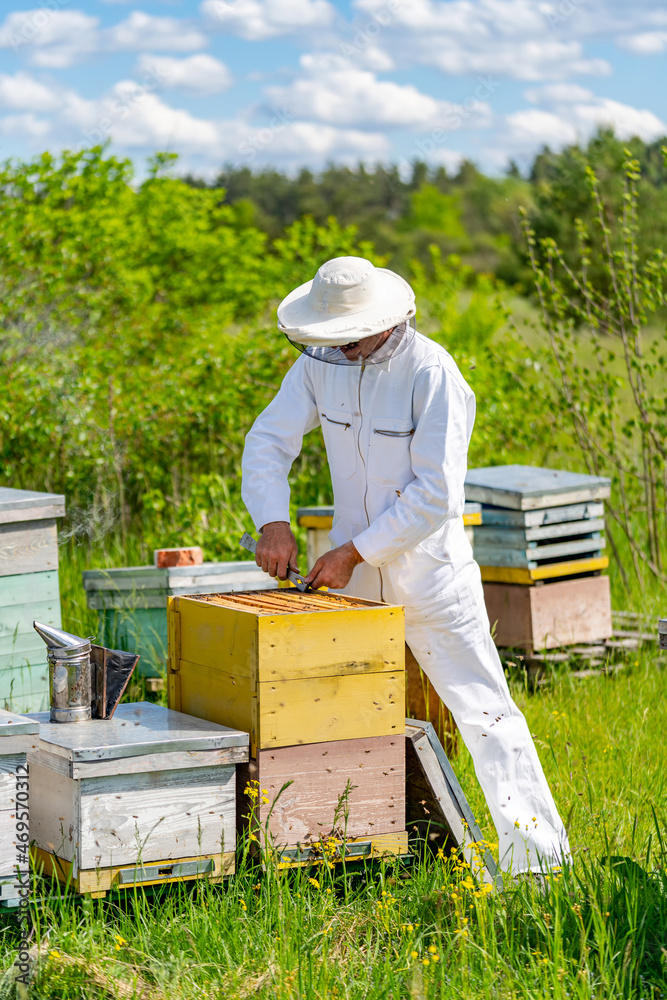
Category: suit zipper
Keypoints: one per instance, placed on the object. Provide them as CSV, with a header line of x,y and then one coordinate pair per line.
x,y
363,462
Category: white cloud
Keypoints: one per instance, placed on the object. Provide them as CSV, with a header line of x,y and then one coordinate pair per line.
x,y
508,38
335,92
557,93
256,20
51,38
60,38
139,121
136,118
570,117
534,127
145,32
21,92
200,74
25,126
645,43
299,141
624,119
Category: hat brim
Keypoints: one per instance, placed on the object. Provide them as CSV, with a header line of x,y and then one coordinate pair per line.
x,y
394,302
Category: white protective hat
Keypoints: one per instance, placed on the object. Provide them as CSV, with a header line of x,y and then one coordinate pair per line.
x,y
347,299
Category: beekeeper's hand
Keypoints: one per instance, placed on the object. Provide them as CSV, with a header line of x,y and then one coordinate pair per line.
x,y
334,568
277,549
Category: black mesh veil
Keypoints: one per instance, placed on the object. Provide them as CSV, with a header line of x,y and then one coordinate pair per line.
x,y
398,340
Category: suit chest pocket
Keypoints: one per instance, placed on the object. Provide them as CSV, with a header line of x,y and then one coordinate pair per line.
x,y
340,439
389,461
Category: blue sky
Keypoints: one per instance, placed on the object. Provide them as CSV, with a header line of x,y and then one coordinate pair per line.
x,y
288,83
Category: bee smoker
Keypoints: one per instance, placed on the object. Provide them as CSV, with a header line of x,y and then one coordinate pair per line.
x,y
69,674
85,681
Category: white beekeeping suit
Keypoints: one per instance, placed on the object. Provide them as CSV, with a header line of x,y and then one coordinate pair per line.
x,y
396,429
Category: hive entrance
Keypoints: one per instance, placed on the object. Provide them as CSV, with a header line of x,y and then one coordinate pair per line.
x,y
284,602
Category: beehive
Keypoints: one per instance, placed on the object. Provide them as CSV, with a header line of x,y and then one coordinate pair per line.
x,y
540,551
147,797
326,793
288,667
17,737
28,590
537,524
131,602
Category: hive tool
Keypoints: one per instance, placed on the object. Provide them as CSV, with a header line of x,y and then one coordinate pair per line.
x,y
249,543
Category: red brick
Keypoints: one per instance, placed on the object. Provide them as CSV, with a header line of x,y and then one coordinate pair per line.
x,y
191,556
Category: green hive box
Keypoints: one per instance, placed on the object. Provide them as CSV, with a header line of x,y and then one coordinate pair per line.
x,y
132,602
28,590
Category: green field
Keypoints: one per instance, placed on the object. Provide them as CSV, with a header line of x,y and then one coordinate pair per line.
x,y
599,930
138,342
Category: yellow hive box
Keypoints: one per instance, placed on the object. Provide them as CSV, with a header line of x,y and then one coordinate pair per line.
x,y
287,667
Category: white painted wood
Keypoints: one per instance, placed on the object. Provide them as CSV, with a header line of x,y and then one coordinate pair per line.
x,y
32,513
12,724
52,761
8,855
10,766
137,728
147,763
175,761
317,544
17,745
157,816
54,812
542,516
205,578
519,538
22,500
139,600
527,487
28,548
441,791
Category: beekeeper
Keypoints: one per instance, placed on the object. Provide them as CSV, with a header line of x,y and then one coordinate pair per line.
x,y
397,416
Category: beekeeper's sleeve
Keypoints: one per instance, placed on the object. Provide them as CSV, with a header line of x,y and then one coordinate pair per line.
x,y
443,415
272,444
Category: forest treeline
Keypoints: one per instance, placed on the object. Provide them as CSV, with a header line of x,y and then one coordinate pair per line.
x,y
467,213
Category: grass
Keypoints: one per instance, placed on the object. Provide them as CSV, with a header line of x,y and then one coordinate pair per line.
x,y
600,930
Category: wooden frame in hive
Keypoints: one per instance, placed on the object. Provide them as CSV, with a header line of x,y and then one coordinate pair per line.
x,y
290,668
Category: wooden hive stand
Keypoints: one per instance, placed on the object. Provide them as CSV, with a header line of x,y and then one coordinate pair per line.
x,y
146,798
318,680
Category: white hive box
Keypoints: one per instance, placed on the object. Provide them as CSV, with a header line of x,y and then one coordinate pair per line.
x,y
147,797
18,736
28,590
